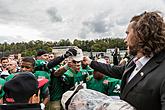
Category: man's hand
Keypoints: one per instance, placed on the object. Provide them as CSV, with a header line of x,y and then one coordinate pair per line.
x,y
35,98
70,52
87,60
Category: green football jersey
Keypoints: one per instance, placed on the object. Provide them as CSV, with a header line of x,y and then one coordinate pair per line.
x,y
11,76
89,69
55,88
100,85
74,77
42,74
114,87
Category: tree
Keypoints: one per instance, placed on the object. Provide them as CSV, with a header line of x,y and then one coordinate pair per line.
x,y
30,48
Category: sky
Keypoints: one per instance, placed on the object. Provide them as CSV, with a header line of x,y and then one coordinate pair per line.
x,y
53,20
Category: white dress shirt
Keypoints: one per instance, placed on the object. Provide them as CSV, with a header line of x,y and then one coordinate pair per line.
x,y
139,64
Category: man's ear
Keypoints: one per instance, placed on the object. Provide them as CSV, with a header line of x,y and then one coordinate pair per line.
x,y
35,98
33,69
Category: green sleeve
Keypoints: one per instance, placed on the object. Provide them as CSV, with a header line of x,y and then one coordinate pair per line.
x,y
114,87
2,82
90,70
9,77
69,77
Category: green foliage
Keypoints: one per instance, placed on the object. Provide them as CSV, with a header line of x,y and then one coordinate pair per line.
x,y
30,48
64,42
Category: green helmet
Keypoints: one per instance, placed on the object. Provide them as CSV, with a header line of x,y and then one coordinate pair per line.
x,y
40,65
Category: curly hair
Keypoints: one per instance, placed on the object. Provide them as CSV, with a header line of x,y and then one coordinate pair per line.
x,y
149,30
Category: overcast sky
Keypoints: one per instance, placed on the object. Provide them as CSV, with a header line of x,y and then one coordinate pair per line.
x,y
52,20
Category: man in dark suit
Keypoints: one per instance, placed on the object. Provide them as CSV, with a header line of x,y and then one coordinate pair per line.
x,y
143,78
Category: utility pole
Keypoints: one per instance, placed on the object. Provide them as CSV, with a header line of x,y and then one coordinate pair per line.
x,y
3,50
4,47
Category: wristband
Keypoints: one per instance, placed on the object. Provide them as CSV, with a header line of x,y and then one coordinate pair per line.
x,y
42,106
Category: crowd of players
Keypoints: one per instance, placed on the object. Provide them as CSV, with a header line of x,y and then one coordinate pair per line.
x,y
55,75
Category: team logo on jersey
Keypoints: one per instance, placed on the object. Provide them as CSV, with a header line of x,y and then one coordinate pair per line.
x,y
84,73
117,88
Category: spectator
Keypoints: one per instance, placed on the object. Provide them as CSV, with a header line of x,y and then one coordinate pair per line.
x,y
51,56
4,62
11,57
116,56
107,59
42,55
12,66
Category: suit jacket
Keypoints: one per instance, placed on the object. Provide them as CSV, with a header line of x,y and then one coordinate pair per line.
x,y
146,90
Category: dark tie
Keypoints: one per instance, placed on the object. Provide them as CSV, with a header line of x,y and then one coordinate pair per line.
x,y
129,72
129,69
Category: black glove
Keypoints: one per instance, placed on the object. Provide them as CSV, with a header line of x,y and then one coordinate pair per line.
x,y
70,52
